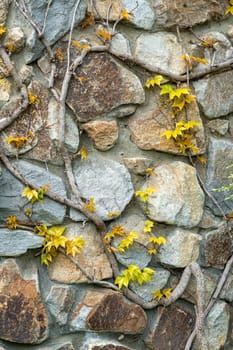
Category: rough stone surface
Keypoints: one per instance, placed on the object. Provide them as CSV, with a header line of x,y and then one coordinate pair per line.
x,y
142,14
214,95
161,50
219,126
120,45
17,242
182,248
209,220
59,301
57,24
5,90
3,11
151,120
47,211
136,255
137,165
91,257
216,326
42,118
217,247
158,282
23,318
108,182
103,77
186,14
15,39
103,133
109,311
108,347
220,156
175,180
175,323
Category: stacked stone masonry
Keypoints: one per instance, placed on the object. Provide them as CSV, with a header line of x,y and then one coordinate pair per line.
x,y
110,113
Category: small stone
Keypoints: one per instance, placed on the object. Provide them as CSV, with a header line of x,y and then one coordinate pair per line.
x,y
230,32
107,181
216,326
137,165
181,248
214,94
91,257
136,254
103,133
120,45
23,318
17,242
217,247
209,220
109,311
161,50
171,328
14,40
218,125
172,202
60,301
26,73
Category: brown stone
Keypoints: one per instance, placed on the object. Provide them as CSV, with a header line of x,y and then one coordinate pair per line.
x,y
22,318
150,121
102,9
217,247
172,328
103,133
187,13
92,258
105,85
110,311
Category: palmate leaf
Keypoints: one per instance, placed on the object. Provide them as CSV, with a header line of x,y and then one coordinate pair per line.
x,y
127,242
56,231
134,274
148,225
156,80
229,9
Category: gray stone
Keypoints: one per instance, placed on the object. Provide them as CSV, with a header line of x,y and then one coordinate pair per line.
x,y
178,198
136,255
17,242
120,45
4,4
209,220
14,40
158,282
181,249
214,94
26,73
47,211
107,181
59,301
161,50
216,326
219,126
186,14
58,23
137,165
220,156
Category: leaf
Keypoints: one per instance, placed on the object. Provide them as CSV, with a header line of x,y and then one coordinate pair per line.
x,y
201,159
83,153
148,226
167,292
144,194
208,43
45,258
58,54
41,230
150,171
112,214
124,14
56,231
80,79
18,142
104,34
151,251
179,92
168,134
157,294
178,103
121,281
30,194
191,59
87,22
28,212
31,98
11,222
73,246
90,205
2,30
127,242
166,89
229,9
156,80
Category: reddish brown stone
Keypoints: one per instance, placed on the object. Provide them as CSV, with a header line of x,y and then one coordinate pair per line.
x,y
103,133
22,317
110,311
172,328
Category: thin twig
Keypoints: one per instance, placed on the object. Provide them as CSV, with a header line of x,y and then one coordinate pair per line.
x,y
46,15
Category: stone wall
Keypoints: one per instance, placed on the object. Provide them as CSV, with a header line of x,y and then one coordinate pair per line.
x,y
119,122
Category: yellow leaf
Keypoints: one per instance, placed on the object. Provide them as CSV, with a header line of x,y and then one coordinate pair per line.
x,y
166,89
151,251
201,159
83,153
73,246
90,205
18,142
178,103
76,44
127,242
167,292
156,80
31,98
30,194
144,194
179,92
2,30
191,59
103,34
150,172
58,54
148,226
11,222
124,14
208,43
168,134
229,9
157,294
112,214
87,22
161,240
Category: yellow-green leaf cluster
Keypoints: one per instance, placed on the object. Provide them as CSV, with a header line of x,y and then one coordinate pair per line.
x,y
158,294
33,195
134,274
189,60
117,230
155,242
90,205
127,242
229,8
148,225
156,80
182,136
54,239
144,194
11,222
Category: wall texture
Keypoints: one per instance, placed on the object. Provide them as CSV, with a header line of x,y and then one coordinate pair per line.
x,y
119,122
